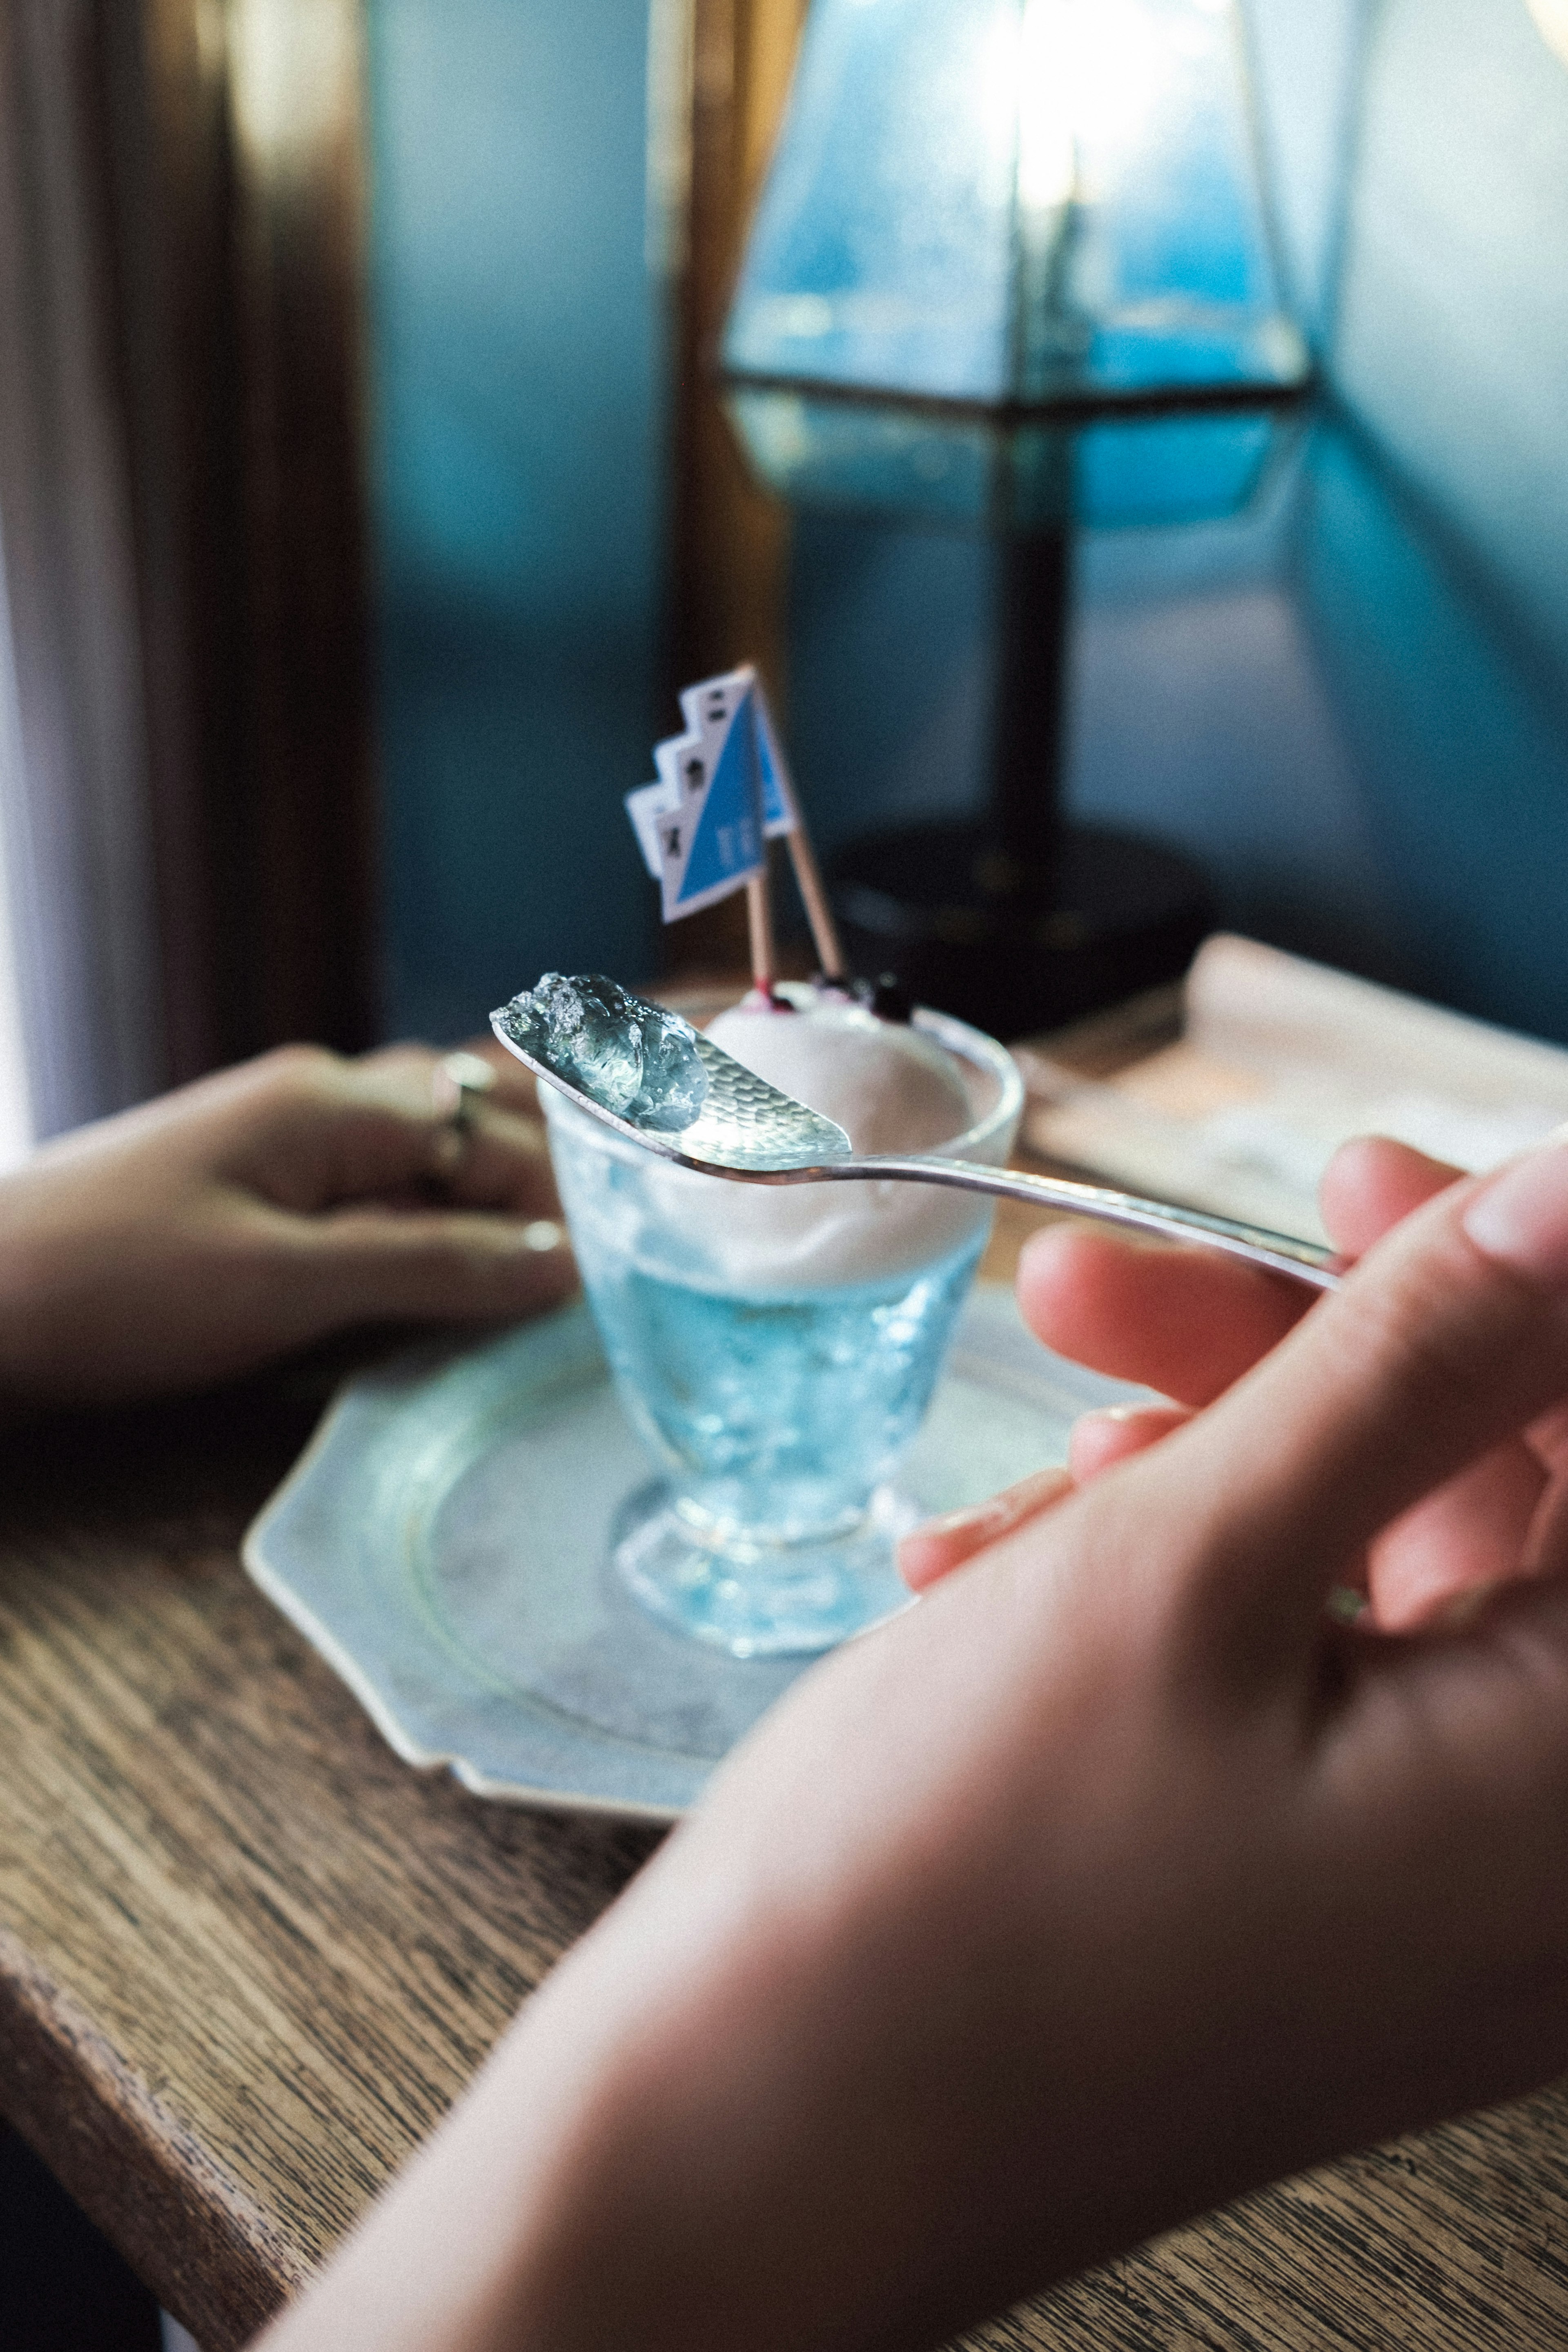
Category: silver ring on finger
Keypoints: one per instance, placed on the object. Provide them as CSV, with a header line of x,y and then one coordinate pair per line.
x,y
458,1083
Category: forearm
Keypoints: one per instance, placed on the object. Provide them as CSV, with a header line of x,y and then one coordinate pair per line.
x,y
817,2080
547,2209
445,2260
655,2154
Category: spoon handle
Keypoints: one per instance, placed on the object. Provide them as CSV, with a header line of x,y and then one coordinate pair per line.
x,y
1281,1253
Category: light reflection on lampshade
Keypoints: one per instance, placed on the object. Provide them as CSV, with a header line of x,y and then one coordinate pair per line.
x,y
1552,16
1017,202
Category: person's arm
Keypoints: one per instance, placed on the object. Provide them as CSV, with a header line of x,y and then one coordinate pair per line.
x,y
1112,1880
259,1210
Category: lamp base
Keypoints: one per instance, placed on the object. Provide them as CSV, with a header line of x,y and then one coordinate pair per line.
x,y
970,931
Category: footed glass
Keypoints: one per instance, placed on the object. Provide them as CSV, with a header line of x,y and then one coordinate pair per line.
x,y
776,1406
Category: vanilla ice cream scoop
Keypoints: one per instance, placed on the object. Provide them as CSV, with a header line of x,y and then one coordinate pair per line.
x,y
892,1090
888,1088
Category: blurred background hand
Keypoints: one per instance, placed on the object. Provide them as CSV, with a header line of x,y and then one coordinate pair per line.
x,y
263,1208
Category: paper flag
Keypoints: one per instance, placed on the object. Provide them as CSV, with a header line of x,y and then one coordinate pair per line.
x,y
645,806
778,811
724,788
683,772
710,836
710,705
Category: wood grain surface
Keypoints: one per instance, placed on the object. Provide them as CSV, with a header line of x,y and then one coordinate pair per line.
x,y
248,1957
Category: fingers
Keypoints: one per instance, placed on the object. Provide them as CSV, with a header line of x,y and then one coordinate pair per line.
x,y
1450,1338
502,1163
934,1551
1464,1539
311,1130
1098,1441
1371,1183
1470,1535
517,1088
392,1132
1191,1327
492,1153
1186,1321
1101,1440
375,1264
1546,1545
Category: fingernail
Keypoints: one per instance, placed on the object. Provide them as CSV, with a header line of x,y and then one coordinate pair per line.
x,y
1521,1217
543,1233
975,1514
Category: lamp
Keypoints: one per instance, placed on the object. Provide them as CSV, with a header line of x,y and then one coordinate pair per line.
x,y
1014,269
1552,17
1017,202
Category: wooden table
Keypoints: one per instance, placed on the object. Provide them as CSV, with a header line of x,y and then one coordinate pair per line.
x,y
248,1957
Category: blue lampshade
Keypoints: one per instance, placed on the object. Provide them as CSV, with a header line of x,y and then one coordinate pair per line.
x,y
1017,203
962,469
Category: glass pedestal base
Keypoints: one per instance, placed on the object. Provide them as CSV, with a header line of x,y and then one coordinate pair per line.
x,y
760,1599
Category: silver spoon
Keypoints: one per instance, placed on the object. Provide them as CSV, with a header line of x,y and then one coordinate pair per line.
x,y
750,1132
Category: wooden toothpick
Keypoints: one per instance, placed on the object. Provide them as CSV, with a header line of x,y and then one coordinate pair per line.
x,y
759,921
814,898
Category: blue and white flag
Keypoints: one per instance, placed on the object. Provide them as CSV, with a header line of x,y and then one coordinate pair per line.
x,y
710,704
645,806
710,835
683,772
699,827
723,790
682,763
779,814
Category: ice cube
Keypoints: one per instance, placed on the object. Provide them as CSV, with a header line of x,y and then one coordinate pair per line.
x,y
632,1058
674,1083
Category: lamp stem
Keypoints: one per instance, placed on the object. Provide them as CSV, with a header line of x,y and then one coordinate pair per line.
x,y
1033,590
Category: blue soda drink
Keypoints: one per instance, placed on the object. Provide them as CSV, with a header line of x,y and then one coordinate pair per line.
x,y
777,1351
776,1418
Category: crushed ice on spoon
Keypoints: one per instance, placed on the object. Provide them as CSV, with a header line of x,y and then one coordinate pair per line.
x,y
633,1059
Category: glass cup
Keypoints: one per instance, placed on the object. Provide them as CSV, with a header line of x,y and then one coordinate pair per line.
x,y
776,1348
